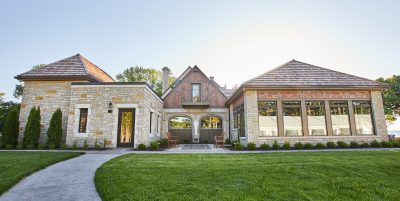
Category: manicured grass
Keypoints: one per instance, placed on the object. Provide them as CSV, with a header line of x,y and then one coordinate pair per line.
x,y
15,165
353,175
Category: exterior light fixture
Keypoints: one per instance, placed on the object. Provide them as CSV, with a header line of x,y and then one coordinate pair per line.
x,y
110,106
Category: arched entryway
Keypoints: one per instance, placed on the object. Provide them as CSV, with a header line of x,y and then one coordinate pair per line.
x,y
181,126
210,126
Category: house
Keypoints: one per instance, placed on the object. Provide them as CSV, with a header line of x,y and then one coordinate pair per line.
x,y
295,102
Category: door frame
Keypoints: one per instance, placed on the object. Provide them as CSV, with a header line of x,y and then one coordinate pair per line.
x,y
120,110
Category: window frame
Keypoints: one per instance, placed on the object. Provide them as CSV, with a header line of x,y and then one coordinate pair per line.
x,y
346,101
80,120
199,91
324,115
371,114
301,117
276,115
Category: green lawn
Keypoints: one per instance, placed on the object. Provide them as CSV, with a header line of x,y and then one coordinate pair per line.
x,y
16,165
353,175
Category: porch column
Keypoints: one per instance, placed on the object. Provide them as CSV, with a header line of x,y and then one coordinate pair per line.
x,y
251,116
378,115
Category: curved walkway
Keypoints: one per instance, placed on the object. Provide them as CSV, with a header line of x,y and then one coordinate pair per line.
x,y
67,180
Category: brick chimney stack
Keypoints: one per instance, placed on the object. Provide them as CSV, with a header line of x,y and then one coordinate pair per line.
x,y
165,77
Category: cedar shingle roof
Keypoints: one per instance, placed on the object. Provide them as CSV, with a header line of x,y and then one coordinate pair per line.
x,y
298,74
75,67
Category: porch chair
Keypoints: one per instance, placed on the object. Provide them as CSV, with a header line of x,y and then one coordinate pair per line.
x,y
172,140
219,140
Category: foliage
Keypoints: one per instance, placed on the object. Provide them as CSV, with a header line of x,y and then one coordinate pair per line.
x,y
74,146
5,108
54,133
364,145
375,144
163,142
286,145
275,145
308,146
387,144
44,146
342,144
20,146
139,74
238,145
97,145
228,141
85,145
354,144
330,145
32,129
391,97
320,146
154,145
298,145
396,144
10,146
142,147
251,146
264,146
11,127
63,146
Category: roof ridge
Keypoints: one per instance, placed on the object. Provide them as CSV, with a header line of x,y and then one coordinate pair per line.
x,y
83,63
83,59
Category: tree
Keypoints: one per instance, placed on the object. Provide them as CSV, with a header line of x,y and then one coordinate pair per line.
x,y
19,88
139,74
32,129
54,133
11,127
391,97
5,108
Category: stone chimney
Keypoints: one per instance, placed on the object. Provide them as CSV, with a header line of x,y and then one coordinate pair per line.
x,y
165,78
212,78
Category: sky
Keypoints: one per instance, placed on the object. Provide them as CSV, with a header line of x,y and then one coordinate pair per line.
x,y
233,41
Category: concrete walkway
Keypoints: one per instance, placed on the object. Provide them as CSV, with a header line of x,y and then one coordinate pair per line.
x,y
68,180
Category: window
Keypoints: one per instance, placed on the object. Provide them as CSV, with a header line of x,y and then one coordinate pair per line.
x,y
235,119
316,117
196,93
211,122
180,123
363,118
340,117
151,121
292,118
240,121
83,120
267,119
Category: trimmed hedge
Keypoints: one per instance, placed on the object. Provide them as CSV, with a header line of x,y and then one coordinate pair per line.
x,y
286,145
264,146
299,145
251,146
319,146
330,145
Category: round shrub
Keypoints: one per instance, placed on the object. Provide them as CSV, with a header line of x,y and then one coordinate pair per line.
x,y
154,145
375,144
308,145
286,145
264,146
228,141
10,146
74,146
396,144
251,146
52,146
342,144
330,145
319,146
299,145
238,146
387,144
20,146
164,142
276,145
63,146
30,146
141,146
42,146
354,144
364,145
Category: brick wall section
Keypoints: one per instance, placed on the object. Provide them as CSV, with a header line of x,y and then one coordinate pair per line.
x,y
379,114
49,95
103,125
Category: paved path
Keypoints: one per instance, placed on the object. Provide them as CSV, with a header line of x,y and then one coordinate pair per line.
x,y
68,180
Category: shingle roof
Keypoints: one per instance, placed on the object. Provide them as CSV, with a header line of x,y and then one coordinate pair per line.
x,y
298,74
75,67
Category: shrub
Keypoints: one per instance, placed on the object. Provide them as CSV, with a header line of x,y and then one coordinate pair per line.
x,y
204,142
10,146
228,141
97,145
11,127
251,146
396,144
387,144
276,145
264,146
54,133
286,145
20,146
354,144
238,146
141,146
154,145
105,142
42,146
308,146
299,145
364,145
74,146
375,144
52,146
1,142
330,145
32,129
320,146
185,141
342,144
63,146
85,145
164,142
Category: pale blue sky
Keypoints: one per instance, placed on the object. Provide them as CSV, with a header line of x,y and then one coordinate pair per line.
x,y
231,40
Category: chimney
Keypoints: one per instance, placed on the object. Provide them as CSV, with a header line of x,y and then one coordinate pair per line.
x,y
165,78
212,78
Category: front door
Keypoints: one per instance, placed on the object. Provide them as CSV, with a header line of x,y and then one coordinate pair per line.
x,y
126,123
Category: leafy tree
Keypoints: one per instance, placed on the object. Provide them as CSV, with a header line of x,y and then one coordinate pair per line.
x,y
54,133
391,97
5,108
140,74
32,129
19,88
11,127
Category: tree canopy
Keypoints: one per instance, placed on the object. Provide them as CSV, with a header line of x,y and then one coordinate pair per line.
x,y
141,74
391,97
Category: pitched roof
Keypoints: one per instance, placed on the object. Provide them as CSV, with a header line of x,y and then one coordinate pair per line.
x,y
75,67
297,74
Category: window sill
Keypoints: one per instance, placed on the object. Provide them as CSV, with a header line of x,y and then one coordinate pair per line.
x,y
81,134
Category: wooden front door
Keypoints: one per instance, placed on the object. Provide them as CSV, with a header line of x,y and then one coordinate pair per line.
x,y
126,127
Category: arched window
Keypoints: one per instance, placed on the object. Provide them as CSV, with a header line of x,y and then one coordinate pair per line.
x,y
180,122
211,122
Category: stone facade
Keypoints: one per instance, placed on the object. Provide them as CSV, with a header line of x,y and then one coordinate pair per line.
x,y
102,125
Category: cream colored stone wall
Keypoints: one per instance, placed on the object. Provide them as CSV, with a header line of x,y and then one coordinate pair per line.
x,y
103,125
379,114
49,95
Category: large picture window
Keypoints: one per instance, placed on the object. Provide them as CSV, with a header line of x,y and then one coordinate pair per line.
x,y
292,118
83,120
180,123
316,117
240,121
196,93
340,117
363,118
211,122
267,119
